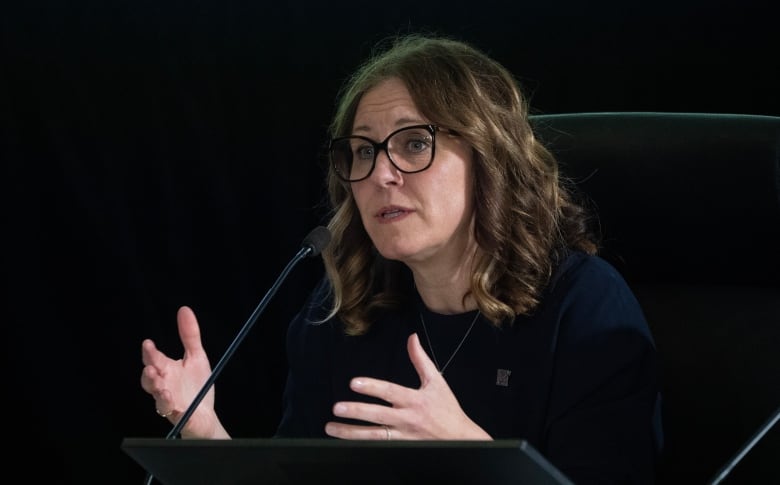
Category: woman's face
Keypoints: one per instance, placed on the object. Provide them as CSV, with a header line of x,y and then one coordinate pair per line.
x,y
422,219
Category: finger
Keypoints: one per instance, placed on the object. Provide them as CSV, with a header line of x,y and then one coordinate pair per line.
x,y
149,378
387,391
369,413
151,356
153,382
356,432
424,366
189,331
150,382
163,402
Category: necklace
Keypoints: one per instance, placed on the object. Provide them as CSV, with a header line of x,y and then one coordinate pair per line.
x,y
430,346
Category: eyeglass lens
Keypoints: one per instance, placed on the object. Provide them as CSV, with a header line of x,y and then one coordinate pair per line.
x,y
410,149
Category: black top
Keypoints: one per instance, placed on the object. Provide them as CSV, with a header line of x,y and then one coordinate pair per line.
x,y
577,379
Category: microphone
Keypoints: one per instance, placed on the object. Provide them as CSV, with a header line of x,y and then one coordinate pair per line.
x,y
312,245
317,240
726,469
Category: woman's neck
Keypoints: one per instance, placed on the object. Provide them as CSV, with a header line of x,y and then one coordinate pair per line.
x,y
442,289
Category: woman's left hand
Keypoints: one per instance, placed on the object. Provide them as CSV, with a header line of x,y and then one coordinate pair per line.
x,y
431,412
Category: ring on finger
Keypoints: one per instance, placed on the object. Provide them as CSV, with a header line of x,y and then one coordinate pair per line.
x,y
387,430
164,415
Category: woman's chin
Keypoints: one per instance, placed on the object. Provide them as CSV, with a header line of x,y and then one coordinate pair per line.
x,y
396,253
405,255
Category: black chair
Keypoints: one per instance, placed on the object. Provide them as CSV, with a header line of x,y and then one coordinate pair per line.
x,y
689,210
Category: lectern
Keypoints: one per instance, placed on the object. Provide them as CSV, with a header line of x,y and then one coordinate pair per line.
x,y
282,461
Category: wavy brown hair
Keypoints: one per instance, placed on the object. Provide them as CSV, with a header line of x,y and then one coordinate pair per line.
x,y
526,218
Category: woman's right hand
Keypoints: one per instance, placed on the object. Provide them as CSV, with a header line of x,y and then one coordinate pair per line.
x,y
174,383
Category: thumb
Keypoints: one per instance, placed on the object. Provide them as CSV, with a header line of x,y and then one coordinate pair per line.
x,y
189,332
424,366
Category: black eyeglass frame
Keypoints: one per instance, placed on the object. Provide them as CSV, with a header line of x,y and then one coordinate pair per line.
x,y
432,129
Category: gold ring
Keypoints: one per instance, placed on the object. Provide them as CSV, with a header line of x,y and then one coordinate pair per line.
x,y
164,415
387,430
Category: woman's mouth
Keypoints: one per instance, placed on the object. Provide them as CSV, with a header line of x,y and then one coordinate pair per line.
x,y
391,213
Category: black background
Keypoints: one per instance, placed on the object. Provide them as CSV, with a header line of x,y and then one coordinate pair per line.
x,y
157,154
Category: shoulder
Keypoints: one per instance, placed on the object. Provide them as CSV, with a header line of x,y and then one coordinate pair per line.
x,y
591,296
578,268
589,277
319,302
312,314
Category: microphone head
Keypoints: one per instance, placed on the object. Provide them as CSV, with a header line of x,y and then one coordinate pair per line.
x,y
317,240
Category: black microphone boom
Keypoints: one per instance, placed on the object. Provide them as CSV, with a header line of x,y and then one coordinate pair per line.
x,y
759,433
312,245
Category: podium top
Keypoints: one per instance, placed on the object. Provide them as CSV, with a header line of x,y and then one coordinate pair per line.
x,y
286,461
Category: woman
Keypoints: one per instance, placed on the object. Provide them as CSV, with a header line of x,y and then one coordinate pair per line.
x,y
464,299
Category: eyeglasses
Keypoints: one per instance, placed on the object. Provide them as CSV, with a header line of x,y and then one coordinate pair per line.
x,y
409,149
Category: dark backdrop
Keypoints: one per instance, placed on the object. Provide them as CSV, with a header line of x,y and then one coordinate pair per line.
x,y
157,154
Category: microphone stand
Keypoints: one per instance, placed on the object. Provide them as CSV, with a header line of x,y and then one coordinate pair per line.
x,y
318,237
746,447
